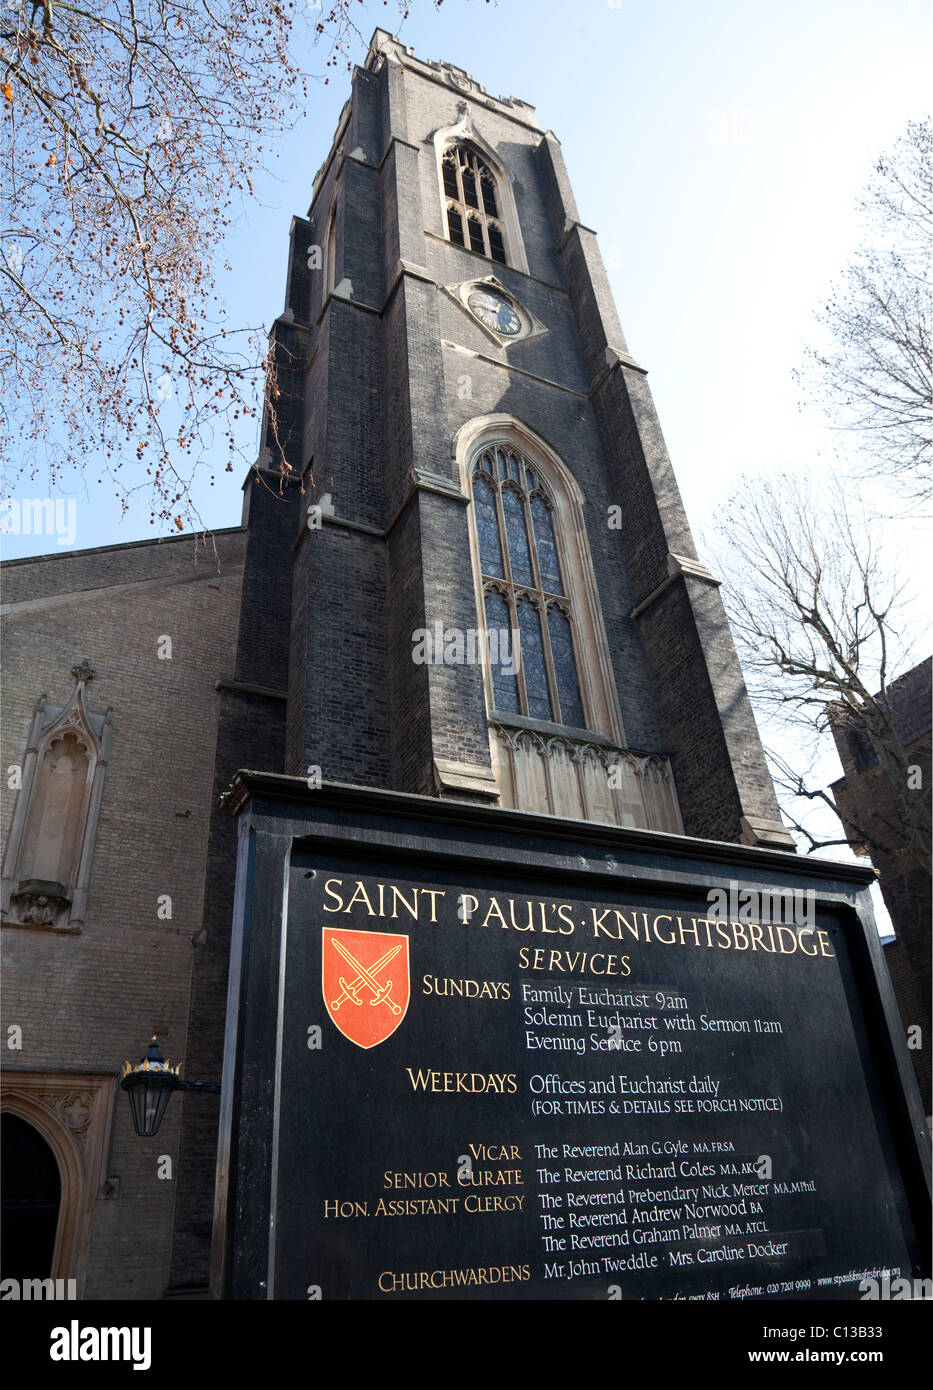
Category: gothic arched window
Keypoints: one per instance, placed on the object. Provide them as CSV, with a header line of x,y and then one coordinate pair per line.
x,y
556,738
471,197
525,590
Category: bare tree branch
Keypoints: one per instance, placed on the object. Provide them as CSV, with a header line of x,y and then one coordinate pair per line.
x,y
816,615
131,130
874,380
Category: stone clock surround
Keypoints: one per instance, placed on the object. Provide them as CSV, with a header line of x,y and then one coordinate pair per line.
x,y
531,325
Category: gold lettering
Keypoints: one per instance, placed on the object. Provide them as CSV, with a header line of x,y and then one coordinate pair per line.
x,y
433,893
330,892
783,932
360,895
694,928
399,896
562,910
494,910
666,940
598,923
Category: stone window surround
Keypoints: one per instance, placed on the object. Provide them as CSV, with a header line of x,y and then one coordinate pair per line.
x,y
461,158
464,131
597,685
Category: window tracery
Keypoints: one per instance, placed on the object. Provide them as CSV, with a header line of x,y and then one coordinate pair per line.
x,y
524,589
556,737
471,199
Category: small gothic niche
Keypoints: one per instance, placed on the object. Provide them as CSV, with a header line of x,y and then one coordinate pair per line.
x,y
47,865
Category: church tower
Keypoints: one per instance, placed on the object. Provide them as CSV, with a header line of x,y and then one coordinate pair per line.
x,y
475,581
482,460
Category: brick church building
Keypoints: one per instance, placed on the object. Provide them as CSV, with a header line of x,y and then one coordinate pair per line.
x,y
473,451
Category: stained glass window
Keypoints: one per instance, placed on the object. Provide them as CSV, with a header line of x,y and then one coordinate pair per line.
x,y
518,547
502,664
487,528
565,667
517,537
532,660
547,546
470,198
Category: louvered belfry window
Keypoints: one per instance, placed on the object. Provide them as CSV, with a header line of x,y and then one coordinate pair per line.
x,y
473,216
524,589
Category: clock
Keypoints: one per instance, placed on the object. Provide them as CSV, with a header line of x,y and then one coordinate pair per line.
x,y
495,313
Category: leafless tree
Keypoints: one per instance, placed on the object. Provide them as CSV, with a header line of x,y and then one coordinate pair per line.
x,y
131,130
874,379
818,615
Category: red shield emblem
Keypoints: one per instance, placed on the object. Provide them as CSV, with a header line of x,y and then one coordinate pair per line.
x,y
366,984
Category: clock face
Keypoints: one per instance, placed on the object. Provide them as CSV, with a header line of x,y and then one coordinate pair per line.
x,y
495,312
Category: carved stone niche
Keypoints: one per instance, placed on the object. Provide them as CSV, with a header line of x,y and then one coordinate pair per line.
x,y
47,865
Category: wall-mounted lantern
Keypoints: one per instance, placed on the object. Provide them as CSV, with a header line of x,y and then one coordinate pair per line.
x,y
149,1086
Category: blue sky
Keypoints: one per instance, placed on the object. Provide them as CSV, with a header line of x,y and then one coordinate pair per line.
x,y
718,150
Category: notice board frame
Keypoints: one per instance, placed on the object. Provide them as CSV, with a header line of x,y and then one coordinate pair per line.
x,y
279,816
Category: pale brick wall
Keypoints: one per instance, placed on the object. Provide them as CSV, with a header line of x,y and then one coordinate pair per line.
x,y
85,1002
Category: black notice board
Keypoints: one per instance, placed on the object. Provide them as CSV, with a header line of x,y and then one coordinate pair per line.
x,y
497,1083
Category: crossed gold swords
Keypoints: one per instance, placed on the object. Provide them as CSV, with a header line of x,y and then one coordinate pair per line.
x,y
351,990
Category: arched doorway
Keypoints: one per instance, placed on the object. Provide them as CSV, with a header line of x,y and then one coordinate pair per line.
x,y
31,1190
